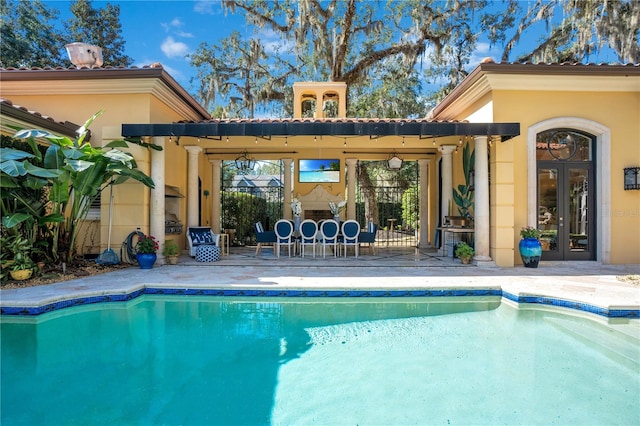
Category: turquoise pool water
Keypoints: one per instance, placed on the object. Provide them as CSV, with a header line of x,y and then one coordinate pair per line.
x,y
208,360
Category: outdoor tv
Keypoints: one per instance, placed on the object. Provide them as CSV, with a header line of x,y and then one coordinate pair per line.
x,y
320,171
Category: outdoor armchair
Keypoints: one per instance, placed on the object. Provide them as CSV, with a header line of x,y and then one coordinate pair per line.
x,y
264,237
369,236
201,235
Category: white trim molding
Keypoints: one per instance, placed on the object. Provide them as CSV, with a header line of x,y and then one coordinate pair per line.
x,y
603,177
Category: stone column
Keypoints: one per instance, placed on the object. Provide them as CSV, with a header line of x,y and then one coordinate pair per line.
x,y
423,221
288,188
446,173
156,199
352,163
481,203
216,166
193,215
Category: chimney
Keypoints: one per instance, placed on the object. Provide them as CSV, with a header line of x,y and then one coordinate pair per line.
x,y
84,55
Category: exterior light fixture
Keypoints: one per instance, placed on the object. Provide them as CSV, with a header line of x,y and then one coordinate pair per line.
x,y
631,178
394,162
245,163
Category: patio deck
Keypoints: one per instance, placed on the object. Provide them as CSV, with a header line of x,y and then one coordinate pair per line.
x,y
579,284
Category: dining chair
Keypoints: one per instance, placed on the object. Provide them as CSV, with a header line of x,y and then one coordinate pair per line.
x,y
349,237
308,233
329,230
284,236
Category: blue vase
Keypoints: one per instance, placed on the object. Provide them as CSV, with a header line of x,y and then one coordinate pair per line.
x,y
296,223
530,252
146,260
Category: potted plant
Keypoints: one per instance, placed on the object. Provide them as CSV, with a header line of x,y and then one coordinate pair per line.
x,y
171,252
21,267
16,257
530,246
464,252
146,249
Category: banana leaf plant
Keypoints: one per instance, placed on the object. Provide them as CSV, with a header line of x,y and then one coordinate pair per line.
x,y
72,172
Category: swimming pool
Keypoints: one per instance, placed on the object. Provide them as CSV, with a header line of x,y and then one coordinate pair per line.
x,y
222,360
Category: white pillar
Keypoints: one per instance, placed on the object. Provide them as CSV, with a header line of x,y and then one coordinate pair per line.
x,y
423,206
156,199
481,203
216,166
193,215
288,187
446,172
352,163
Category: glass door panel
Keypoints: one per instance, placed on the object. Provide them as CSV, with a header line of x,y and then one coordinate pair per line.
x,y
578,217
548,209
565,211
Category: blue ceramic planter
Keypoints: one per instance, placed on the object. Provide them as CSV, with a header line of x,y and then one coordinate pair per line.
x,y
530,252
146,260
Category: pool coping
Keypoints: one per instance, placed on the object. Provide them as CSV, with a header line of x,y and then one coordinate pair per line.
x,y
84,297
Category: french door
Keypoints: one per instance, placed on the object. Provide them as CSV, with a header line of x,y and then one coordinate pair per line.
x,y
566,210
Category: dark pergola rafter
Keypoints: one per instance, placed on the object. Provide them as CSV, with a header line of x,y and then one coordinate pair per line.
x,y
267,129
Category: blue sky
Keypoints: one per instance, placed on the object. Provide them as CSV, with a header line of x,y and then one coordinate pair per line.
x,y
167,31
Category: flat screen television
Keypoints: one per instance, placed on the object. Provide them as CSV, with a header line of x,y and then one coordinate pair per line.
x,y
320,171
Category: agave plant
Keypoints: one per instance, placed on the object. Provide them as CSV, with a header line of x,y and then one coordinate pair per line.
x,y
73,172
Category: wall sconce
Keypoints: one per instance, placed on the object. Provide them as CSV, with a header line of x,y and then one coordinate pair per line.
x,y
245,163
394,162
631,178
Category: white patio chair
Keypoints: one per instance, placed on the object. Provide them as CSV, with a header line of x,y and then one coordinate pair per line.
x,y
284,236
308,233
201,235
349,237
329,230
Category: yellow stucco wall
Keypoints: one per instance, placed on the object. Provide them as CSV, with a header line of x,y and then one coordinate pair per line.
x,y
616,111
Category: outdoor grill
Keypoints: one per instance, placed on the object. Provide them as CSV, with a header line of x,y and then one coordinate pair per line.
x,y
171,224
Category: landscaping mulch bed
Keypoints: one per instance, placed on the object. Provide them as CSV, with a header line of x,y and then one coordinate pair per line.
x,y
54,274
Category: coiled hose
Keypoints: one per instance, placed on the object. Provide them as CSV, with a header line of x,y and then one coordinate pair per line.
x,y
128,249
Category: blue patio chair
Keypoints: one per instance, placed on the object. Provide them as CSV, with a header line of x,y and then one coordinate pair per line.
x,y
329,236
308,232
349,237
369,236
284,236
264,237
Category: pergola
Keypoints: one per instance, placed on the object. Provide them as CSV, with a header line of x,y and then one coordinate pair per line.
x,y
421,129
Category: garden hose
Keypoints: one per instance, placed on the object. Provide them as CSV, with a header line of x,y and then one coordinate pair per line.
x,y
128,248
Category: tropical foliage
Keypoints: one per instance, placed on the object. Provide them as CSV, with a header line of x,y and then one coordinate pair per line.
x,y
463,195
48,196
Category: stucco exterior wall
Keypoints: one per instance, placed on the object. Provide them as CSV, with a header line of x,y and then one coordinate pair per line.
x,y
616,111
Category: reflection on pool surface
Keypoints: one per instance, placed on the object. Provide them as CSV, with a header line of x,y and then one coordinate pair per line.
x,y
209,360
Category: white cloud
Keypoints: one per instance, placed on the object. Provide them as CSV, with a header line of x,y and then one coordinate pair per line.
x,y
207,7
175,27
173,48
273,43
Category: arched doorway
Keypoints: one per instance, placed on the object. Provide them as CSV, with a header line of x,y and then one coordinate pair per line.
x,y
566,194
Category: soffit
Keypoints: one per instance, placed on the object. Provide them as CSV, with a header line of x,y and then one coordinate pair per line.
x,y
489,77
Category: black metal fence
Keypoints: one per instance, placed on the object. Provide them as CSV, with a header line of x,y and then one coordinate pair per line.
x,y
242,207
